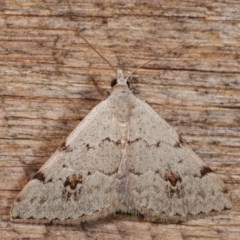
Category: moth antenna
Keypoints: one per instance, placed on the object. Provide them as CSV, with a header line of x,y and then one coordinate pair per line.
x,y
155,59
96,51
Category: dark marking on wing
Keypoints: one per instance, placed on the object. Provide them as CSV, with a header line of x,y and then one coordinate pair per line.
x,y
181,140
172,178
30,171
133,141
89,147
110,140
175,191
65,147
180,161
71,193
39,176
18,199
157,144
134,172
179,143
225,190
205,170
50,180
110,173
73,180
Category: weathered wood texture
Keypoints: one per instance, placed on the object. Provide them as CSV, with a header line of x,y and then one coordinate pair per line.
x,y
48,78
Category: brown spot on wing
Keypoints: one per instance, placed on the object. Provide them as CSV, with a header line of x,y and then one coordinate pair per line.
x,y
181,140
172,178
65,147
39,176
205,170
177,192
179,143
73,180
18,199
225,189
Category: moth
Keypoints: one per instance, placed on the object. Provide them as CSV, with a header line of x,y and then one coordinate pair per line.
x,y
123,157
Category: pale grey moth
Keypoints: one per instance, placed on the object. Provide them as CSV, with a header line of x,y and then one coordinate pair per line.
x,y
123,157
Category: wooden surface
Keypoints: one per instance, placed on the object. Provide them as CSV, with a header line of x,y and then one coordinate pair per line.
x,y
50,79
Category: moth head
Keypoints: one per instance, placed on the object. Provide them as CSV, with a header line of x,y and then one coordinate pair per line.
x,y
121,80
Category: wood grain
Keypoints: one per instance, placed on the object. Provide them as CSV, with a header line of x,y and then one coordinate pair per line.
x,y
50,79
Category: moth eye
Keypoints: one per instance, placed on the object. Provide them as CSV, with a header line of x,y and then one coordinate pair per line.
x,y
114,82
